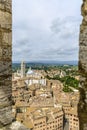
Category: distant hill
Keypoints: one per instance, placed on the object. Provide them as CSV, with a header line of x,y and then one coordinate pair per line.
x,y
49,62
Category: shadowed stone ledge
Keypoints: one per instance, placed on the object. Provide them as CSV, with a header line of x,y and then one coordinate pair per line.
x,y
15,126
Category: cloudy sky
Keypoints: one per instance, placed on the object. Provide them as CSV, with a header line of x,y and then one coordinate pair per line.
x,y
46,30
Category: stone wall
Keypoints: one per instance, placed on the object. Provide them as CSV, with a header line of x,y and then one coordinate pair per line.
x,y
5,62
82,107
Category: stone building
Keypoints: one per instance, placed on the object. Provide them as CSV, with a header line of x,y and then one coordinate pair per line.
x,y
22,69
71,117
42,119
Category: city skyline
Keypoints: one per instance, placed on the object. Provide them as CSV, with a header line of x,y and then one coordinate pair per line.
x,y
46,31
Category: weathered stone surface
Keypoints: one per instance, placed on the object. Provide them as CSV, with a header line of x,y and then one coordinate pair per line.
x,y
15,126
5,62
5,5
18,126
82,106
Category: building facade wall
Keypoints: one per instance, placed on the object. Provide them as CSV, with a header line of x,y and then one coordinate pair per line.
x,y
22,69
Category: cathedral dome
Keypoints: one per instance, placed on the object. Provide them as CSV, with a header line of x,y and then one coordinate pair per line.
x,y
30,71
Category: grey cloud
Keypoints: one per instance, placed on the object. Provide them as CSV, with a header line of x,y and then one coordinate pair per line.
x,y
43,33
62,51
56,54
67,27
